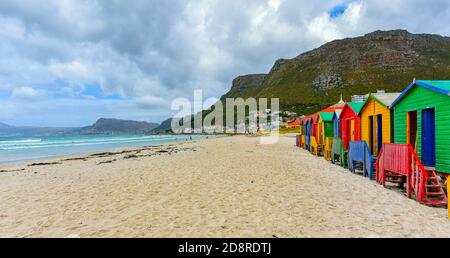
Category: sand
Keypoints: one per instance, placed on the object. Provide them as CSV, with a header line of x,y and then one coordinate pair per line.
x,y
225,187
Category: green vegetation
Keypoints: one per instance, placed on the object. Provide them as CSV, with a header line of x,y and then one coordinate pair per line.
x,y
380,60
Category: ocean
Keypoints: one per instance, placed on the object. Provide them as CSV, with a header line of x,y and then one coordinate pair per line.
x,y
17,149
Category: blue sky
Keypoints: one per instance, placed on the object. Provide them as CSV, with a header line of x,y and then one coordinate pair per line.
x,y
338,11
68,63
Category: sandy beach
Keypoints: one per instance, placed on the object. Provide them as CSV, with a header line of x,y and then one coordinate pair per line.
x,y
224,187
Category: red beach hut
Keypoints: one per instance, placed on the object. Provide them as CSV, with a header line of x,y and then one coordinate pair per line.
x,y
349,121
314,124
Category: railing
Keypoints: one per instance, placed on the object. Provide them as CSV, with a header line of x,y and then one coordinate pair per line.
x,y
338,149
314,146
359,151
403,160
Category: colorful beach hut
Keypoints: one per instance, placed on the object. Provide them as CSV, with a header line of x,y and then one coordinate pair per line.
x,y
308,132
349,122
325,133
376,123
337,149
303,132
314,144
422,119
336,128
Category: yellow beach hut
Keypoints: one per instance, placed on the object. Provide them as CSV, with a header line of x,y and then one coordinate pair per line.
x,y
325,133
376,122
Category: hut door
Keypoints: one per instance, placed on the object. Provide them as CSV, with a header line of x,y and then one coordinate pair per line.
x,y
428,137
411,129
379,132
371,135
352,130
320,137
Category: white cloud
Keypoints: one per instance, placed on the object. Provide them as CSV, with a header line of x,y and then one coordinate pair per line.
x,y
27,93
150,52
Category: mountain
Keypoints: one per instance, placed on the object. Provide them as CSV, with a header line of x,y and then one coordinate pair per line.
x,y
164,127
5,126
19,131
380,60
116,126
102,126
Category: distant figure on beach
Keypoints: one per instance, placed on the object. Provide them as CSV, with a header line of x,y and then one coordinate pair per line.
x,y
190,138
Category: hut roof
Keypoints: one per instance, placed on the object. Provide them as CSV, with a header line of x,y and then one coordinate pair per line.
x,y
356,106
326,116
315,117
438,86
295,123
386,99
331,109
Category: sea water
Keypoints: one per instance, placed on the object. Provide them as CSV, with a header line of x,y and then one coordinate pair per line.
x,y
16,149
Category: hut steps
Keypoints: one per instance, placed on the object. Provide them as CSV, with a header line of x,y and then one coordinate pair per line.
x,y
434,192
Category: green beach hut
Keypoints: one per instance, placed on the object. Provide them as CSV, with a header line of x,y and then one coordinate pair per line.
x,y
422,119
325,126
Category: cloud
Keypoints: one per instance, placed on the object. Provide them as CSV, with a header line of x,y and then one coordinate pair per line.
x,y
27,93
150,102
149,52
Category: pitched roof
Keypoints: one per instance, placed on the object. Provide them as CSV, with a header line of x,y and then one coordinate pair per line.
x,y
326,116
385,99
356,106
443,86
315,117
331,109
438,86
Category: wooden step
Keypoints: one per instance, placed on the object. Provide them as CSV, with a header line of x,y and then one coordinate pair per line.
x,y
435,202
434,186
441,193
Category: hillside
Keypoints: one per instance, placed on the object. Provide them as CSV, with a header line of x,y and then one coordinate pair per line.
x,y
116,126
102,126
380,60
19,131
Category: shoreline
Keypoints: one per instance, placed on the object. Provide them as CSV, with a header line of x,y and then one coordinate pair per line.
x,y
223,187
7,167
87,153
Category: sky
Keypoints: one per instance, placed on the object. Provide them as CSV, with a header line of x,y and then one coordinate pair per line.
x,y
68,63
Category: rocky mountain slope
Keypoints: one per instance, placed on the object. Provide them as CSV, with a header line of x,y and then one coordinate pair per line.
x,y
116,126
387,60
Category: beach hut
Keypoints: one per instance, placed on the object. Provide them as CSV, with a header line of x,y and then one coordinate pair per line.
x,y
376,122
314,143
349,123
422,119
337,150
315,120
308,132
301,137
325,127
325,133
336,128
303,133
294,125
